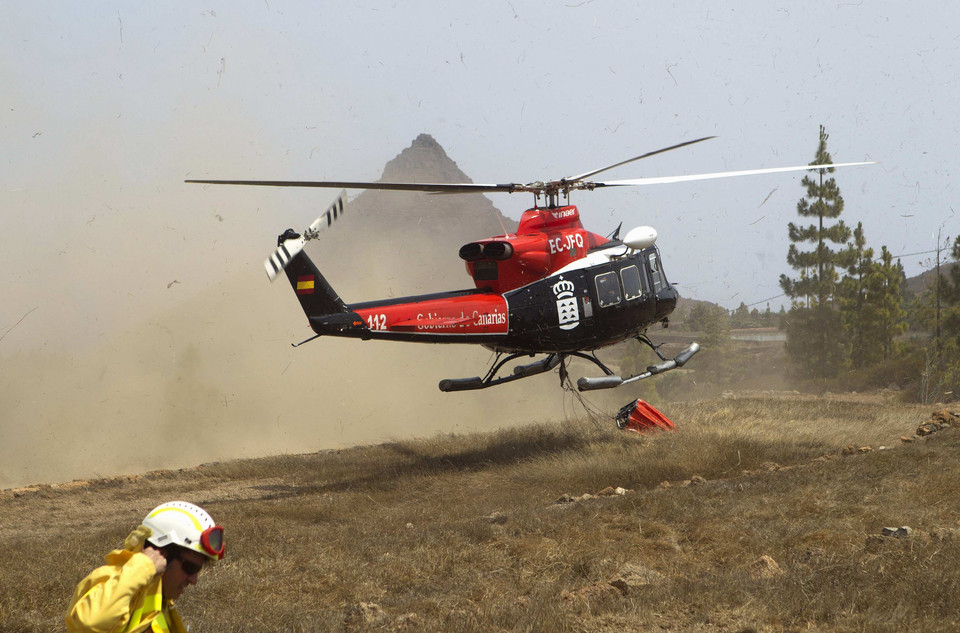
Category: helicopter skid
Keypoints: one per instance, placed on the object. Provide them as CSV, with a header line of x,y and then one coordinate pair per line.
x,y
521,371
608,382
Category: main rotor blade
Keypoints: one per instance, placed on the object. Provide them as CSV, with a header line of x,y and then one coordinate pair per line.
x,y
659,180
630,160
393,186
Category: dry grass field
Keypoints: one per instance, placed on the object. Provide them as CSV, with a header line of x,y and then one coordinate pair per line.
x,y
754,516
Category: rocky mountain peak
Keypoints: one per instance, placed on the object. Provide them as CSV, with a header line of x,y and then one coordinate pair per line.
x,y
420,232
424,161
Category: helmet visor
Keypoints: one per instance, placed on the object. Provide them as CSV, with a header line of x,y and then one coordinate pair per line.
x,y
212,541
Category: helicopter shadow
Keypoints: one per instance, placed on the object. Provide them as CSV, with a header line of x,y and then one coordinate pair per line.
x,y
512,448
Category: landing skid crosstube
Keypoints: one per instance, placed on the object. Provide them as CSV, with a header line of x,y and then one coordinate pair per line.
x,y
550,361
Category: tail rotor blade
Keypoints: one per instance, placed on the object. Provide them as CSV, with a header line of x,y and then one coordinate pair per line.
x,y
328,217
291,243
287,250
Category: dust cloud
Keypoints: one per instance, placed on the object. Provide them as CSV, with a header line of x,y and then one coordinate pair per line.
x,y
215,378
140,332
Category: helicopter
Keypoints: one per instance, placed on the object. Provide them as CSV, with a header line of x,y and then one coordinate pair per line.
x,y
552,289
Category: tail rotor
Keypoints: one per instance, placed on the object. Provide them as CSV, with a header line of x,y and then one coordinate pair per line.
x,y
290,242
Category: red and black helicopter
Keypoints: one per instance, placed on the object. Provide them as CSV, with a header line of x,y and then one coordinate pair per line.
x,y
552,289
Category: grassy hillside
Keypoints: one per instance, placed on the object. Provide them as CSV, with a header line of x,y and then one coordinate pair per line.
x,y
759,514
927,279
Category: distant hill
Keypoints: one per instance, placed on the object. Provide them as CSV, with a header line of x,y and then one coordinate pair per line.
x,y
914,285
462,217
684,305
411,239
925,280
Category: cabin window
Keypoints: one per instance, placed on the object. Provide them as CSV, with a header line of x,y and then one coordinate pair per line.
x,y
485,271
631,282
608,289
658,279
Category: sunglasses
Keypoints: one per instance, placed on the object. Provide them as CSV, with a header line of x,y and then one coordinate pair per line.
x,y
190,568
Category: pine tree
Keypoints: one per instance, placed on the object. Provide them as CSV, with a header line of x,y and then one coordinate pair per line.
x,y
813,327
885,293
712,321
818,275
858,314
949,299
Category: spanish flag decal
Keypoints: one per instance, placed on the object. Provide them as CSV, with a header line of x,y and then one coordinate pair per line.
x,y
305,285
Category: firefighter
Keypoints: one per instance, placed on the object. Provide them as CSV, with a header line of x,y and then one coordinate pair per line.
x,y
134,591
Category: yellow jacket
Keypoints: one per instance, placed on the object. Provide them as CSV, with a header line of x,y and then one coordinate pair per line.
x,y
123,596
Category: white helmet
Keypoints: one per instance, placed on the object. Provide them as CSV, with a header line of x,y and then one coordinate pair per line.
x,y
184,524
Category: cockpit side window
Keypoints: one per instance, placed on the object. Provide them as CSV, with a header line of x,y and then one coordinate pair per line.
x,y
608,289
630,276
659,281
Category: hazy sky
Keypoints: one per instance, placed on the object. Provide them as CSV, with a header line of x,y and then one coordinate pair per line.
x,y
108,106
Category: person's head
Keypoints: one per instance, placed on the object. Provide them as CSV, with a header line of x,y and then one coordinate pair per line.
x,y
183,569
188,538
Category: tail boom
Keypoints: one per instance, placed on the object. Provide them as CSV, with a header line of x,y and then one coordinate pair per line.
x,y
460,316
